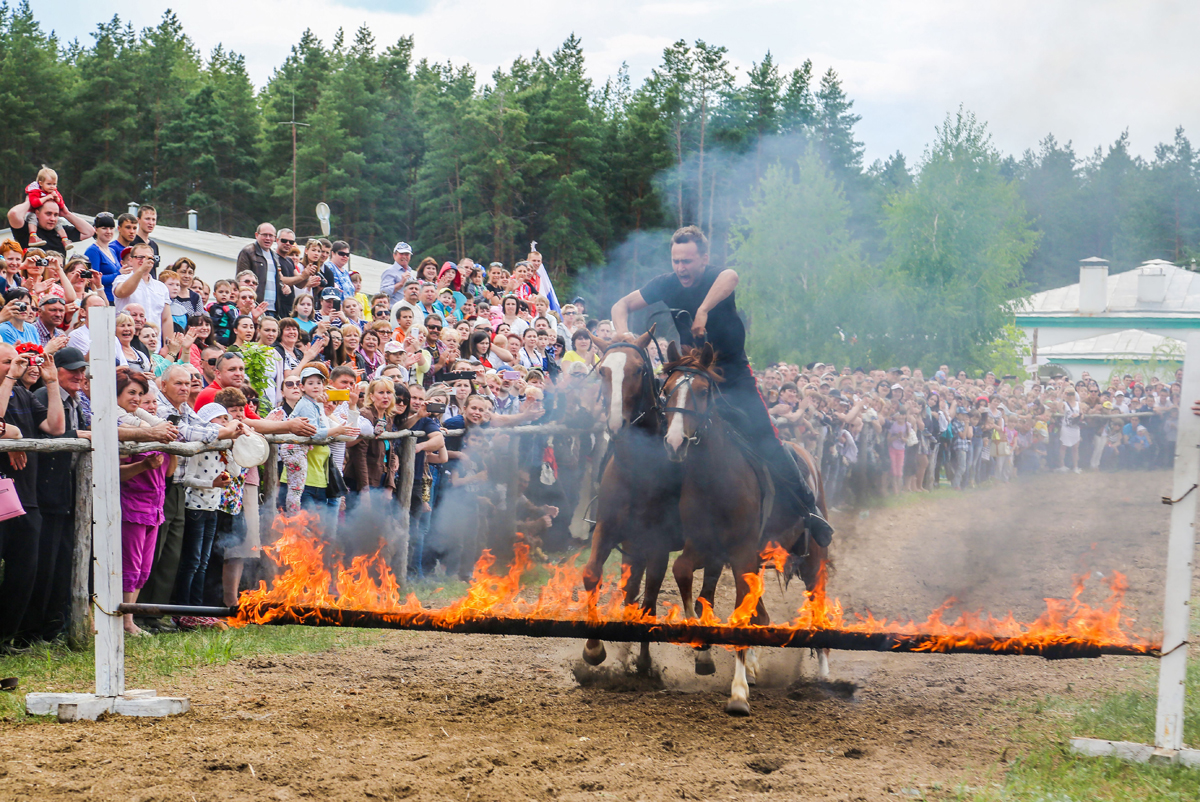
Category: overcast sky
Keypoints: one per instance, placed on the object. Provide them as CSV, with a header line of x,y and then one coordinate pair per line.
x,y
1084,71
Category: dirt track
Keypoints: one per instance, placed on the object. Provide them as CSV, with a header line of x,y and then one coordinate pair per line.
x,y
435,717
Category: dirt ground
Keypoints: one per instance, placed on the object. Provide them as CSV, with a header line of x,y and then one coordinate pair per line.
x,y
433,717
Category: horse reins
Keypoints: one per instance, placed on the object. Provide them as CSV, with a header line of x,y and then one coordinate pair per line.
x,y
705,417
649,389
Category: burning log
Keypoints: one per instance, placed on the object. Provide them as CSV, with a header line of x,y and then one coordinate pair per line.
x,y
636,631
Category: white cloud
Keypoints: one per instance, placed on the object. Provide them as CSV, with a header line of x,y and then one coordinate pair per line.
x,y
1084,70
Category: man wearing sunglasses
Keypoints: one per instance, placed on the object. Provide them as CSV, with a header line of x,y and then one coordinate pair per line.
x,y
276,272
336,272
133,285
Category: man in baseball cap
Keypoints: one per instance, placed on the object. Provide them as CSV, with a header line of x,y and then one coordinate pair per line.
x,y
392,281
70,359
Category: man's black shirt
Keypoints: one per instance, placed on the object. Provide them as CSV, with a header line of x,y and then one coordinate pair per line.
x,y
53,241
26,413
725,329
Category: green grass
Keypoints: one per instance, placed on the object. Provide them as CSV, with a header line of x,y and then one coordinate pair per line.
x,y
53,667
1048,771
907,498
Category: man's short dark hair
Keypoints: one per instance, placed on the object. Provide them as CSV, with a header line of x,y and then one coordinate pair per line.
x,y
125,218
691,234
145,207
225,357
342,370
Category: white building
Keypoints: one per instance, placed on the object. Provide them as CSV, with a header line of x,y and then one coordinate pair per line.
x,y
216,254
1137,316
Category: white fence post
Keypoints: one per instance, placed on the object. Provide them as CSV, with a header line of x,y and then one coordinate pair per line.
x,y
106,504
110,695
1181,550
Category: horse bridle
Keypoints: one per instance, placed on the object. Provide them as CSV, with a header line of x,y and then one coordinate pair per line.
x,y
704,417
649,388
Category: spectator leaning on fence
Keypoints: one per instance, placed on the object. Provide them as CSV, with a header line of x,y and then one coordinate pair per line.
x,y
22,415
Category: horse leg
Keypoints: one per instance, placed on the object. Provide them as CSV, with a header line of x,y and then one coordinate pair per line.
x,y
708,588
739,694
636,564
656,570
752,666
705,664
810,573
684,569
593,649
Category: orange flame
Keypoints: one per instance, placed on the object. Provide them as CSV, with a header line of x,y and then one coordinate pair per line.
x,y
369,584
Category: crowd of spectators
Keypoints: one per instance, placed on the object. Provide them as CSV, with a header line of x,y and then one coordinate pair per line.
x,y
293,343
884,432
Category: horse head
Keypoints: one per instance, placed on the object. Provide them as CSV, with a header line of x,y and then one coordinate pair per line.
x,y
626,381
689,397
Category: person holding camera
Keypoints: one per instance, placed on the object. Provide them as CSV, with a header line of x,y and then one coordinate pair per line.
x,y
23,414
331,308
16,324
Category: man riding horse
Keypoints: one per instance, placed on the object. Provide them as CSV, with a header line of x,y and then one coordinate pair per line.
x,y
706,294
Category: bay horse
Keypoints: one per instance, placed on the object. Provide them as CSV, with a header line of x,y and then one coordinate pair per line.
x,y
638,504
725,508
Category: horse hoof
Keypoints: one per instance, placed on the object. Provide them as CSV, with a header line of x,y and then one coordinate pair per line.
x,y
642,664
705,665
737,707
751,680
594,657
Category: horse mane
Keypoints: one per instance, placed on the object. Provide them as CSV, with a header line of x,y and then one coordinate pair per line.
x,y
691,359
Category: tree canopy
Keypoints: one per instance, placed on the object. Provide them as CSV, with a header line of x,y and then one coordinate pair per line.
x,y
462,165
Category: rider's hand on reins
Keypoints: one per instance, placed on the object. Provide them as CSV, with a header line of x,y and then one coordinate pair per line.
x,y
699,324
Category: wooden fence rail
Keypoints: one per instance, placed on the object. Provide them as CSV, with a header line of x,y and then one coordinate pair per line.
x,y
77,624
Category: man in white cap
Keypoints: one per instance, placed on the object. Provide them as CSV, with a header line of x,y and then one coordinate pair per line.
x,y
391,283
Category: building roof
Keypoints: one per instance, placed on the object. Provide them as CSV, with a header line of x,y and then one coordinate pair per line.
x,y
223,246
226,248
1182,297
1132,344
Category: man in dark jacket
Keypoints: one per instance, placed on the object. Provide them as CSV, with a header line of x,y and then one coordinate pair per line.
x,y
46,617
276,273
20,536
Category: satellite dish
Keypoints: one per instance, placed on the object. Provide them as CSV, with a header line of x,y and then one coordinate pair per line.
x,y
323,216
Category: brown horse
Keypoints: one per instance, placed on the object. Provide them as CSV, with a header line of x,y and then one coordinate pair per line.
x,y
638,506
725,508
806,559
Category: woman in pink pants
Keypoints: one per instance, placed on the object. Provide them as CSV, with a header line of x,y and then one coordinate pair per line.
x,y
143,492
